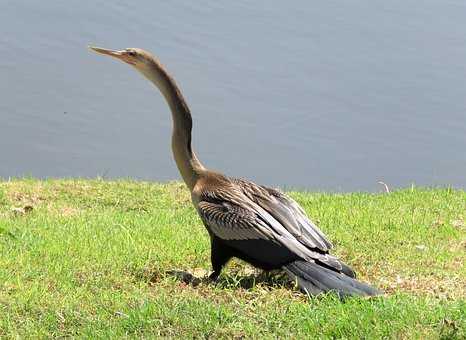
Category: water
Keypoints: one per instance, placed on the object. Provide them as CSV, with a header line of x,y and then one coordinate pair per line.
x,y
335,95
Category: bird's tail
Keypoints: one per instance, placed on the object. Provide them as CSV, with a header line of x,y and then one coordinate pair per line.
x,y
315,279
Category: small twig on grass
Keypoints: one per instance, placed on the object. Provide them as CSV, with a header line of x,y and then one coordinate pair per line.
x,y
387,190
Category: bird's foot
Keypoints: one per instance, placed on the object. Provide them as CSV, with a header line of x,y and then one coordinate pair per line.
x,y
214,276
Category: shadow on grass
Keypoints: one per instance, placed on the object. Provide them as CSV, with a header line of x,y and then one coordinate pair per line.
x,y
268,280
272,279
240,280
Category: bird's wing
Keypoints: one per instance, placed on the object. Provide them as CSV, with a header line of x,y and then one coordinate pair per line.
x,y
232,216
229,221
285,210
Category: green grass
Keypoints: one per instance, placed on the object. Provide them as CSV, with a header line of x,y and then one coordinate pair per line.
x,y
93,259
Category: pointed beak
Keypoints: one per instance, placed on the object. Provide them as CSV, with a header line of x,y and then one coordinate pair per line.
x,y
121,55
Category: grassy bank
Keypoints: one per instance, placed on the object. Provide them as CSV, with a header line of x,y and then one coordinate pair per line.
x,y
105,259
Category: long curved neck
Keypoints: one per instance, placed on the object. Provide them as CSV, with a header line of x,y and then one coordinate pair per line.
x,y
188,164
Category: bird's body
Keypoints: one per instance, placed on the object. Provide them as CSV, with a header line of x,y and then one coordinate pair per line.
x,y
259,225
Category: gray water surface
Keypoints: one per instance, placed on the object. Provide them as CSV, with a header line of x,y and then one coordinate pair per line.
x,y
330,95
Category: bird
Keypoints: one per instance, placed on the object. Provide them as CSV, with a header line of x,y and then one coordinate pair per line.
x,y
258,224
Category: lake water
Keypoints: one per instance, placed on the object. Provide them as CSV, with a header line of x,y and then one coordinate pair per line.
x,y
331,95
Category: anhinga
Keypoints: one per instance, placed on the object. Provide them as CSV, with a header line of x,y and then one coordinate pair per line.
x,y
255,223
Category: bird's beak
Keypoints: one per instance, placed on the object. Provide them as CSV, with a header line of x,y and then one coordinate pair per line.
x,y
121,55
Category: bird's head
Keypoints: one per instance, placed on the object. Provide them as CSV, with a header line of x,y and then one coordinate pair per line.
x,y
141,60
133,56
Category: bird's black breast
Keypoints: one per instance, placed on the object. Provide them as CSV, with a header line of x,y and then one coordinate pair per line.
x,y
260,253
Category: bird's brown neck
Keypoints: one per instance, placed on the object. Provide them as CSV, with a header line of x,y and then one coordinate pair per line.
x,y
188,164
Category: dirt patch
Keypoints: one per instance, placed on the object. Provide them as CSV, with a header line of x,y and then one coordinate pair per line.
x,y
432,285
24,197
69,211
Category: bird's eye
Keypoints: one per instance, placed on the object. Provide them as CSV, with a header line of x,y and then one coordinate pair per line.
x,y
131,53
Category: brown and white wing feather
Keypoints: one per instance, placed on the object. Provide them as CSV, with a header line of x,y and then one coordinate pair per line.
x,y
285,210
231,222
232,215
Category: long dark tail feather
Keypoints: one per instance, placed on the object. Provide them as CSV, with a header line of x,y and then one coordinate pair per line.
x,y
315,279
348,270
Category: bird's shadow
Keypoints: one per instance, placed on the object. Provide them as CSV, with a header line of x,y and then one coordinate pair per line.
x,y
268,280
234,280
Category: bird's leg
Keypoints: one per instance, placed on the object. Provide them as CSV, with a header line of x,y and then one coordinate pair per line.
x,y
219,256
